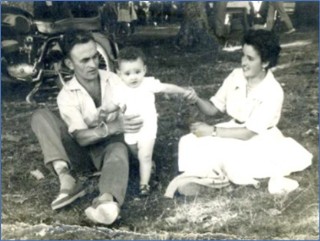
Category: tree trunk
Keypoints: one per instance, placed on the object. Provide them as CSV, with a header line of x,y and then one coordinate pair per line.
x,y
195,32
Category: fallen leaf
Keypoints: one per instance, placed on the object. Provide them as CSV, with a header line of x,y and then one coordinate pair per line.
x,y
42,233
4,216
274,212
315,112
307,133
171,220
16,198
37,174
13,138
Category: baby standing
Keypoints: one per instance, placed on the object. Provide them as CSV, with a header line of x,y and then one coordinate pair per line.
x,y
137,96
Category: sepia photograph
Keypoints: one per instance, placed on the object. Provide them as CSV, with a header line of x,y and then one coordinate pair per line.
x,y
159,120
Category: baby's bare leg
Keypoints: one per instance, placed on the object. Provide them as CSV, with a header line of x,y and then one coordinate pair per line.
x,y
145,151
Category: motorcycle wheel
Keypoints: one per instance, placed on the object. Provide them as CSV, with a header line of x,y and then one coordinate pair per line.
x,y
104,62
108,49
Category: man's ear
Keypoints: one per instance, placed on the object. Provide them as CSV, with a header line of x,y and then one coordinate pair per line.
x,y
69,63
145,68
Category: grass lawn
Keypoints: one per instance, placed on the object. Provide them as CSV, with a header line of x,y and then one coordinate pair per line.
x,y
233,212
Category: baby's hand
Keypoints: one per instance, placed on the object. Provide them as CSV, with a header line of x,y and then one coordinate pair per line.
x,y
122,107
112,116
191,95
102,116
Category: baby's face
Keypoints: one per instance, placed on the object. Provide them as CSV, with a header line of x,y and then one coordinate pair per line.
x,y
132,72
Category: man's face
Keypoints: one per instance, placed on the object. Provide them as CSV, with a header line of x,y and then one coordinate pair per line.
x,y
132,72
84,61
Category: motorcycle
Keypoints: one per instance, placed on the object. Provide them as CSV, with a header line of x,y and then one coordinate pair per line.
x,y
31,47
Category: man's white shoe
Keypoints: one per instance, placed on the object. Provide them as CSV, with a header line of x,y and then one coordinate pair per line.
x,y
105,213
67,196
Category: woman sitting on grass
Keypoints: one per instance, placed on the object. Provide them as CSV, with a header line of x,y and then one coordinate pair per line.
x,y
250,145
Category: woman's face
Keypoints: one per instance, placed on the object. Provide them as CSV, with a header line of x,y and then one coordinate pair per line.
x,y
251,62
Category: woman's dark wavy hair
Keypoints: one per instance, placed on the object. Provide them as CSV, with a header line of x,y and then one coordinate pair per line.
x,y
266,43
130,54
73,37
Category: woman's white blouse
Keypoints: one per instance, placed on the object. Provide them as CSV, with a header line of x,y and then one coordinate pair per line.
x,y
260,110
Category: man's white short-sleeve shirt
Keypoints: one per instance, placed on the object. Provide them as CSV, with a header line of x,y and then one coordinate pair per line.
x,y
76,106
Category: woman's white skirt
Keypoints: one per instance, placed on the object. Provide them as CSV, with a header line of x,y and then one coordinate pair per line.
x,y
265,155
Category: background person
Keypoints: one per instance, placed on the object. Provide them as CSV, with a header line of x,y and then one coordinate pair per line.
x,y
278,7
127,17
219,13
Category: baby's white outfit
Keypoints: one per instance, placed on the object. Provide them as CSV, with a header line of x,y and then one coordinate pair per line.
x,y
141,100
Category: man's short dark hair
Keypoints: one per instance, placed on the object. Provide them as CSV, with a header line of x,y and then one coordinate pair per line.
x,y
266,43
130,54
73,37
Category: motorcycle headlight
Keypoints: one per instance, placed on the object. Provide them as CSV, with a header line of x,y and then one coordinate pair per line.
x,y
28,39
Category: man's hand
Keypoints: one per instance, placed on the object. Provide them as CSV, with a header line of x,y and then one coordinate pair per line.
x,y
125,124
104,116
132,123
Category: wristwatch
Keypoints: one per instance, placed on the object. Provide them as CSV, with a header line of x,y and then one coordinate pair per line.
x,y
214,131
105,129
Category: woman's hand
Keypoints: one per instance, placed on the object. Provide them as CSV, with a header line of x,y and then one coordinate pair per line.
x,y
201,129
191,95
